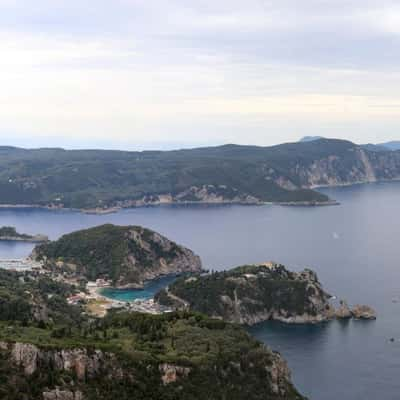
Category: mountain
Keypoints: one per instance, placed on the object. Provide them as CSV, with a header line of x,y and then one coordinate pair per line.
x,y
374,147
393,145
286,173
254,293
127,255
310,138
387,146
48,351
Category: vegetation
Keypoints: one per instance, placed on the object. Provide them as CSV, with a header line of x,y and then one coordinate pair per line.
x,y
120,253
96,178
35,300
10,231
255,289
218,360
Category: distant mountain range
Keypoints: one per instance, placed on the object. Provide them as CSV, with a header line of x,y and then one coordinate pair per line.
x,y
287,173
392,146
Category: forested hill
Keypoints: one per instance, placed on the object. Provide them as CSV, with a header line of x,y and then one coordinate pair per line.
x,y
127,255
229,173
50,350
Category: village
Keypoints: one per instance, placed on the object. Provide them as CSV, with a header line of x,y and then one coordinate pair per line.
x,y
90,294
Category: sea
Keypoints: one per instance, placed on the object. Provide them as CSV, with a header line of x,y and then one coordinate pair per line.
x,y
354,247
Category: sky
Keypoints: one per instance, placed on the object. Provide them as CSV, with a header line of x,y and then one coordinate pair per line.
x,y
154,74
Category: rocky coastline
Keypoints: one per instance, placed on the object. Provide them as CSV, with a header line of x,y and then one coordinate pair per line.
x,y
252,294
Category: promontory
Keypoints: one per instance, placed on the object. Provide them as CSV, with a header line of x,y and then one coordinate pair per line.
x,y
254,293
125,255
9,233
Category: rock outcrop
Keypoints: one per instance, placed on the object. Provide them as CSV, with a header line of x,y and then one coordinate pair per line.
x,y
83,363
171,373
59,394
363,312
343,312
81,374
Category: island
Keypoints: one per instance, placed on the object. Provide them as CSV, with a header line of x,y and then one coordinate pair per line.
x,y
251,294
9,233
122,256
50,350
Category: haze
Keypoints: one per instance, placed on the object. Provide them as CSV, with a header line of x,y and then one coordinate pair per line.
x,y
166,74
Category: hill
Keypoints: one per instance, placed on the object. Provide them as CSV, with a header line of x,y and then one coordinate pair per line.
x,y
225,174
252,293
175,356
126,255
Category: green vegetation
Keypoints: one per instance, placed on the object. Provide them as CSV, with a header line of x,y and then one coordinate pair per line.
x,y
92,178
123,354
123,254
35,300
256,289
222,360
10,231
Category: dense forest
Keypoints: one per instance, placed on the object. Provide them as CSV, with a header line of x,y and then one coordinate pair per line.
x,y
123,254
249,293
99,178
172,356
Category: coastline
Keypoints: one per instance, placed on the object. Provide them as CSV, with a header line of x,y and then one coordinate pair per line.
x,y
139,203
114,210
26,240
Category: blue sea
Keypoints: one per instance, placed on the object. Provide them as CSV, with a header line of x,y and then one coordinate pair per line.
x,y
354,247
148,291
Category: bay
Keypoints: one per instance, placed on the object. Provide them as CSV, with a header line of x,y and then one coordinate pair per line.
x,y
354,248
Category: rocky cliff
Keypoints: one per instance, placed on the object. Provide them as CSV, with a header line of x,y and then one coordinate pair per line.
x,y
127,255
102,181
253,293
355,165
192,358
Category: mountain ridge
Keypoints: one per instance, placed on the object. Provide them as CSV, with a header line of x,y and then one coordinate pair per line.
x,y
228,174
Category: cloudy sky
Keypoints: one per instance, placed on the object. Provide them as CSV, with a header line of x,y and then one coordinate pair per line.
x,y
136,74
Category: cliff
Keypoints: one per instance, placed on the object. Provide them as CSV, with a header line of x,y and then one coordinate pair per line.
x,y
180,356
100,180
253,293
127,255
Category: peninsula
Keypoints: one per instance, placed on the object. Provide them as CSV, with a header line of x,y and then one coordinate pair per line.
x,y
50,350
254,293
9,233
125,256
102,181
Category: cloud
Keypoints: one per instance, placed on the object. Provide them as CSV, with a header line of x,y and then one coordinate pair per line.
x,y
134,71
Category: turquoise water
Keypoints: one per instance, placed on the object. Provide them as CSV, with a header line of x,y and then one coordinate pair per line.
x,y
148,292
354,248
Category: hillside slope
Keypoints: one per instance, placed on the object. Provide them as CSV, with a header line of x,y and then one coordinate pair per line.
x,y
253,293
230,174
127,255
50,351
